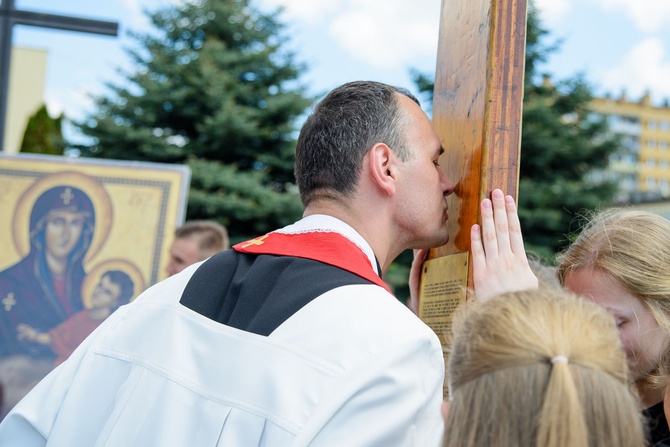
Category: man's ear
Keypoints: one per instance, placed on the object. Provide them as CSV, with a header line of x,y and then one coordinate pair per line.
x,y
382,167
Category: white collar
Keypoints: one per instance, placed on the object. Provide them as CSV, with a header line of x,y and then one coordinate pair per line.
x,y
323,222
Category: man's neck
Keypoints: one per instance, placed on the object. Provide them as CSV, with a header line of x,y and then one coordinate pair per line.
x,y
373,229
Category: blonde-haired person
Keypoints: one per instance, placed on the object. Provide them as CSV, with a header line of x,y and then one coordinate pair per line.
x,y
621,261
539,368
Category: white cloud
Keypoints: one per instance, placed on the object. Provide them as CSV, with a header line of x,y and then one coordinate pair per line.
x,y
53,103
648,15
134,16
643,68
552,11
389,34
309,11
74,102
382,33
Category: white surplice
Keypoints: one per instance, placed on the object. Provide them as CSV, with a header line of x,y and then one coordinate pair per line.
x,y
354,367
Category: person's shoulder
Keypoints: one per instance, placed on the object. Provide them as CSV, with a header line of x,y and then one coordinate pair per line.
x,y
372,308
359,324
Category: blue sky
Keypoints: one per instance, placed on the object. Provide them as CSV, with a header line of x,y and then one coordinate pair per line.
x,y
616,44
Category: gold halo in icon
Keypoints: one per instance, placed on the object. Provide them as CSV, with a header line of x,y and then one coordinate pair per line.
x,y
102,205
94,275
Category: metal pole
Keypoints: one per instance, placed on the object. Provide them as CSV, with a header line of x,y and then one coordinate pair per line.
x,y
10,16
5,56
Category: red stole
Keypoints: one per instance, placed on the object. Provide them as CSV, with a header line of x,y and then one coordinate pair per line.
x,y
324,246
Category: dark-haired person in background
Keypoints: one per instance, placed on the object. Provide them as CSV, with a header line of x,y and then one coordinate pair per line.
x,y
291,338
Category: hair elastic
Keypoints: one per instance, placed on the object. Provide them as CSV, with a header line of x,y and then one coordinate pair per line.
x,y
558,359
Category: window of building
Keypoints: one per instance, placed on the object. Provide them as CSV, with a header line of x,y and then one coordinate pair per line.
x,y
631,143
651,124
665,126
663,145
629,182
663,164
651,144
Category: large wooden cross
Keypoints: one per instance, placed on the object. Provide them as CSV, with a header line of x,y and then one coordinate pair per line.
x,y
10,16
477,113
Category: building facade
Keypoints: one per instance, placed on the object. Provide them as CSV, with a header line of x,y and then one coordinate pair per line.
x,y
27,74
642,166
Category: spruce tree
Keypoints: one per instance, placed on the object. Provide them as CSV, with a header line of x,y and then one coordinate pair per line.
x,y
215,88
562,146
43,134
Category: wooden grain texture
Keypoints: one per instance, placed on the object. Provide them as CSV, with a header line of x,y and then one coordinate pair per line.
x,y
477,105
